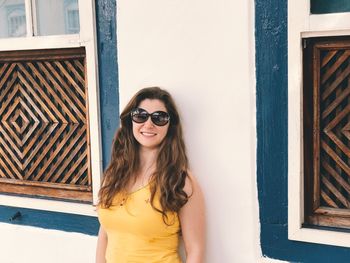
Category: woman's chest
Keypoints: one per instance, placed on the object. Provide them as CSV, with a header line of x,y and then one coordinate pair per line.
x,y
135,214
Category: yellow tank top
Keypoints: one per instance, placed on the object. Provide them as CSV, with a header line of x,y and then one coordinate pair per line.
x,y
136,232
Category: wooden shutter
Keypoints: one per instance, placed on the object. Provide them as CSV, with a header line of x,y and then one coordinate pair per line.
x,y
44,135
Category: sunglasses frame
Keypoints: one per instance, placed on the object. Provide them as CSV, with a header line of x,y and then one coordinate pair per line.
x,y
152,115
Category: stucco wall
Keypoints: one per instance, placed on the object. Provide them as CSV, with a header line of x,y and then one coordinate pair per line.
x,y
24,244
202,52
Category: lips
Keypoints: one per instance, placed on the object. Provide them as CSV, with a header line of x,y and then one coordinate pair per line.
x,y
148,134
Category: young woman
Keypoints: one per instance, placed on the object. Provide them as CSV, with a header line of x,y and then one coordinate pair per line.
x,y
148,196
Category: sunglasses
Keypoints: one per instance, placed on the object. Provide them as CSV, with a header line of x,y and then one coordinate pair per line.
x,y
159,118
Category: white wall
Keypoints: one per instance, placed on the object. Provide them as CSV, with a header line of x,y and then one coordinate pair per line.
x,y
202,51
22,244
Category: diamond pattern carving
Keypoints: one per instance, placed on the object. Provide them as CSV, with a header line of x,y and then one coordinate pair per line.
x,y
20,122
44,139
335,128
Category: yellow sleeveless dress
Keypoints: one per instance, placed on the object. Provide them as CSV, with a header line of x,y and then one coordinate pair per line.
x,y
136,232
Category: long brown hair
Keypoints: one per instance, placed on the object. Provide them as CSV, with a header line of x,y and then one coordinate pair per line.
x,y
172,163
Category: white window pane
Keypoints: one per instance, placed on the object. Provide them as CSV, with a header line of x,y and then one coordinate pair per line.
x,y
326,6
12,18
57,17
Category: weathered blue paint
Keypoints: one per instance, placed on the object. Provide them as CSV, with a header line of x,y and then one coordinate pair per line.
x,y
326,6
272,133
109,112
108,73
46,219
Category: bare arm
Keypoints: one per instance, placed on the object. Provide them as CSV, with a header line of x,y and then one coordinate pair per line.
x,y
192,218
101,246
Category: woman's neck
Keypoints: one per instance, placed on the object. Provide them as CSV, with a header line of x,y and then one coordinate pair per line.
x,y
148,160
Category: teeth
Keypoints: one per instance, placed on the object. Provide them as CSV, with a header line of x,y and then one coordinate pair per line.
x,y
148,134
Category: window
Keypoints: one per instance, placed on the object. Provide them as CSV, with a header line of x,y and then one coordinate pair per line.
x,y
326,126
12,18
44,142
308,191
65,19
16,21
72,17
47,148
42,21
325,6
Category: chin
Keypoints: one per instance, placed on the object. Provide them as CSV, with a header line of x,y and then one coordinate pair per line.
x,y
150,146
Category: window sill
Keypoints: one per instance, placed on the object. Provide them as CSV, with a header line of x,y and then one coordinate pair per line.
x,y
48,205
320,236
332,21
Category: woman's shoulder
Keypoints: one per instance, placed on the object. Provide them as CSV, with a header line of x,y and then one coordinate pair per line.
x,y
191,184
195,203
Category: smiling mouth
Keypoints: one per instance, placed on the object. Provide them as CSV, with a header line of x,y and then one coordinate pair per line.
x,y
148,134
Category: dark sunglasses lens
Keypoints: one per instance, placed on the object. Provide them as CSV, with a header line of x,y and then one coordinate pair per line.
x,y
160,118
139,117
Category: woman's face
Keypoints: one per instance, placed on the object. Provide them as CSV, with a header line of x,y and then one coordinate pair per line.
x,y
148,134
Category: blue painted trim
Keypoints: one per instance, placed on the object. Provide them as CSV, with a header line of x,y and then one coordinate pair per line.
x,y
52,220
272,146
108,73
109,107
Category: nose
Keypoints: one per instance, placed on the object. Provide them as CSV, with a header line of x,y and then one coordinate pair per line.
x,y
149,122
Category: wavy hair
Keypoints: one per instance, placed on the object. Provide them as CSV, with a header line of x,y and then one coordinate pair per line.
x,y
172,162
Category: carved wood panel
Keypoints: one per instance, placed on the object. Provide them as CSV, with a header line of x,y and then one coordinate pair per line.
x,y
44,138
